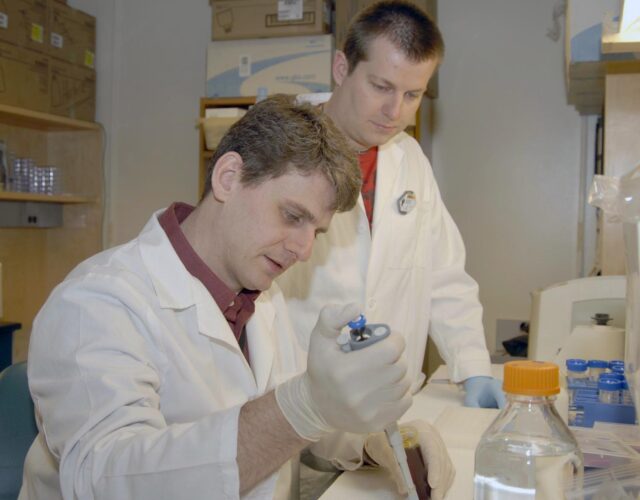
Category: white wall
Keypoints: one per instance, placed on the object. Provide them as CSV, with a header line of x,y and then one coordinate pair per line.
x,y
151,71
506,150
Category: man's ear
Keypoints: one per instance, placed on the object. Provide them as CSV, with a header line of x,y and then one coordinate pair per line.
x,y
226,174
340,68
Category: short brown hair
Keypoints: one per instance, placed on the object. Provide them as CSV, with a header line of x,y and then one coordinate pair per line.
x,y
404,24
279,135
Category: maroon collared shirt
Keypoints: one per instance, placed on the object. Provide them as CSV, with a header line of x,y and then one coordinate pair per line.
x,y
237,308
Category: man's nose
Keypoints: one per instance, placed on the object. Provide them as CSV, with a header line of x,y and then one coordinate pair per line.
x,y
301,243
393,107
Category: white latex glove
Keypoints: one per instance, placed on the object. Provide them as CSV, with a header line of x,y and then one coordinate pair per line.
x,y
440,470
360,391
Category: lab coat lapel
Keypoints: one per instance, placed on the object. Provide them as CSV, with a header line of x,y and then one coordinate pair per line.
x,y
390,158
177,289
261,340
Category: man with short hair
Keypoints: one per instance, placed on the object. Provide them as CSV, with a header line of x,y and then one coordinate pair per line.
x,y
153,365
398,251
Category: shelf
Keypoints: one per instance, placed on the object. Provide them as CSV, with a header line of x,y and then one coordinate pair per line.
x,y
44,198
221,102
618,43
20,117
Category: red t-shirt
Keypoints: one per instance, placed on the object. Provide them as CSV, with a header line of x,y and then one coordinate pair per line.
x,y
368,163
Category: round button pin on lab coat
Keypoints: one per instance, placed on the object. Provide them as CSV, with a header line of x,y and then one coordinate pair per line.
x,y
407,202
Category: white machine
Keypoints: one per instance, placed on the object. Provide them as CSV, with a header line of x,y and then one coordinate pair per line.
x,y
562,327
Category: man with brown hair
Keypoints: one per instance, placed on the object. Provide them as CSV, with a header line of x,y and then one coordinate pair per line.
x,y
167,367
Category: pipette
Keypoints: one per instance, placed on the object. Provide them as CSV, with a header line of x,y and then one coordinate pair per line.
x,y
395,440
360,336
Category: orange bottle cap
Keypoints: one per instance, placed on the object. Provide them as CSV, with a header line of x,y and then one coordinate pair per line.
x,y
531,378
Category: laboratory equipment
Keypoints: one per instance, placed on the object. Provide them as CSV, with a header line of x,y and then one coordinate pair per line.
x,y
416,462
562,315
528,451
619,198
359,336
609,390
596,368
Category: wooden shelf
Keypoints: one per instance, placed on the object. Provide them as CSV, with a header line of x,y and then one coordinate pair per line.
x,y
215,102
619,43
41,121
44,198
34,260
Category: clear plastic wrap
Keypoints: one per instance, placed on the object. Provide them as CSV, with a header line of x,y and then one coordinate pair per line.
x,y
619,198
616,483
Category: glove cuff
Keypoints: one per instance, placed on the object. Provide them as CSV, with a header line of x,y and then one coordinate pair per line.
x,y
296,404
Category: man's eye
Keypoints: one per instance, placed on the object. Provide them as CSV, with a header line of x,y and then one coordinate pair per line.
x,y
291,217
413,95
381,88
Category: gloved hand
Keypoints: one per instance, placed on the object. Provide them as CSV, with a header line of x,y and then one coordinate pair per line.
x,y
440,470
360,391
484,392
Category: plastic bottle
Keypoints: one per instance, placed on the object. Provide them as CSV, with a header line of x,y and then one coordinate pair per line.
x,y
609,390
577,374
596,367
528,452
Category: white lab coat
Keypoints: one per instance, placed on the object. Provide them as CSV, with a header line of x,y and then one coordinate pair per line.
x,y
138,380
409,274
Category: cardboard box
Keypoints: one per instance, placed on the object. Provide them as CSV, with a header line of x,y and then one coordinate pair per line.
x,y
23,23
346,10
72,35
290,65
24,78
240,19
72,90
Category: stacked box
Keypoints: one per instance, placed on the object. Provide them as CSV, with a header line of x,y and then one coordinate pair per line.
x,y
23,23
241,19
72,90
37,38
72,35
24,76
288,65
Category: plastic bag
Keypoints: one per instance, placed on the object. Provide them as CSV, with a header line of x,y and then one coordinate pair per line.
x,y
619,198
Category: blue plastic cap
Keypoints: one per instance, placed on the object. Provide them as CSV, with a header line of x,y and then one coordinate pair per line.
x,y
357,323
609,384
576,365
614,376
617,369
598,363
616,362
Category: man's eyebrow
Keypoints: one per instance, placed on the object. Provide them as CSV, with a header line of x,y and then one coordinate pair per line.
x,y
302,210
307,215
380,80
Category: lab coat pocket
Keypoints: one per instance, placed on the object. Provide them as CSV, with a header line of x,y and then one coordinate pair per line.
x,y
406,231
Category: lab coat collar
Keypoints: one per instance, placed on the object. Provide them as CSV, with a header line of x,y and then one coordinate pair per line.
x,y
176,288
170,278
